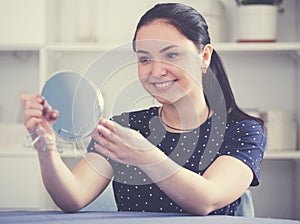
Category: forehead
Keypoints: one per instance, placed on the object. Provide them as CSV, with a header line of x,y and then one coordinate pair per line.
x,y
158,34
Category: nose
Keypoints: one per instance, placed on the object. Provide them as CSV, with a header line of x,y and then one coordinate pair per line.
x,y
159,68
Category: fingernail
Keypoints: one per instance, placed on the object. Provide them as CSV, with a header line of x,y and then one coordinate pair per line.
x,y
41,99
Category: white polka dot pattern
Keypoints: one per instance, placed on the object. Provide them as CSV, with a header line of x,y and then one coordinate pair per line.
x,y
194,150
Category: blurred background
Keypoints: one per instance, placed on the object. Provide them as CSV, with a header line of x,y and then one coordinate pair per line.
x,y
40,37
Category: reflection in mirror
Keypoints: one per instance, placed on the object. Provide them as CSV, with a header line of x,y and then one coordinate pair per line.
x,y
79,102
80,105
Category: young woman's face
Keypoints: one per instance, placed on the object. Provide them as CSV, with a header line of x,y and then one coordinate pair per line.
x,y
169,64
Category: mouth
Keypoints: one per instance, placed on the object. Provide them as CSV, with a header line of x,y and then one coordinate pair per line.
x,y
162,86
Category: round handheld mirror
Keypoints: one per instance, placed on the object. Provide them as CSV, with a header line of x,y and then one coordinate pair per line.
x,y
79,102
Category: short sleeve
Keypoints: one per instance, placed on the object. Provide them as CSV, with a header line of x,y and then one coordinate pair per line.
x,y
90,147
246,141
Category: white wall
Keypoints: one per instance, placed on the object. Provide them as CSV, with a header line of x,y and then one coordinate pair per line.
x,y
15,80
270,77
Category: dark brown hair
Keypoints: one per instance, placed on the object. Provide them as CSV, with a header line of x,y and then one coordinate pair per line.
x,y
193,26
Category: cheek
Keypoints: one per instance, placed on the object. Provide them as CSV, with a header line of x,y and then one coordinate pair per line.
x,y
143,72
189,81
191,68
143,77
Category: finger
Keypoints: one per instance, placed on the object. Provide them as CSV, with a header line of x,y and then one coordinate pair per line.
x,y
47,109
46,105
24,98
97,137
109,141
54,115
32,124
51,116
49,113
31,121
107,133
114,127
107,153
33,105
120,131
107,124
32,113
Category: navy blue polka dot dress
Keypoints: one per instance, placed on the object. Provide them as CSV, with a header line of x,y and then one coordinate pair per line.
x,y
195,150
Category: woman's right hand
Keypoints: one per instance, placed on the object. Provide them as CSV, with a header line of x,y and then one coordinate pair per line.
x,y
37,113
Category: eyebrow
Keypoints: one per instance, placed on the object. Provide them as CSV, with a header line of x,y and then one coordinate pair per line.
x,y
161,51
167,48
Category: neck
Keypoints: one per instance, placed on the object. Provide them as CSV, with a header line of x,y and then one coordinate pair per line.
x,y
184,117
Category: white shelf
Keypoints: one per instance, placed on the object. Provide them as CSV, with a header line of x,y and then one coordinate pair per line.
x,y
20,47
222,47
282,155
254,47
11,152
76,47
33,53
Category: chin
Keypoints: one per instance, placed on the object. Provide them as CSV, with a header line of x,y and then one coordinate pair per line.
x,y
164,100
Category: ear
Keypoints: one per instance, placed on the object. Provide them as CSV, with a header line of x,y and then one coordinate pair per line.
x,y
206,56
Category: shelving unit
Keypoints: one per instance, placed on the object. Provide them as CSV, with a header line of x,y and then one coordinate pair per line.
x,y
292,155
32,63
259,47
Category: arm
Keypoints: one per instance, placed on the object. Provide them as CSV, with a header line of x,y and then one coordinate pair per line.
x,y
222,183
73,190
70,190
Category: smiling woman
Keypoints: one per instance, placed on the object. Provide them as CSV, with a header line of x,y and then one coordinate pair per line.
x,y
168,69
196,153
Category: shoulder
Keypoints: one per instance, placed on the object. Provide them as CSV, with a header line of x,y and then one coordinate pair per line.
x,y
245,140
245,127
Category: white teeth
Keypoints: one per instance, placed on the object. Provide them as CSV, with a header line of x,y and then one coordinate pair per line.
x,y
163,85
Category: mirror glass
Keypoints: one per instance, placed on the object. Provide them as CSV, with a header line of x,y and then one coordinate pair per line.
x,y
79,102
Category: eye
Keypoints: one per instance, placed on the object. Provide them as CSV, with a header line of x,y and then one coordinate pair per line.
x,y
171,55
144,59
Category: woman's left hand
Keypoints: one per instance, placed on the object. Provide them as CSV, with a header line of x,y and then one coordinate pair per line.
x,y
123,144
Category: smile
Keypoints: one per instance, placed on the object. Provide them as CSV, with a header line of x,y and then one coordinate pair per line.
x,y
163,85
